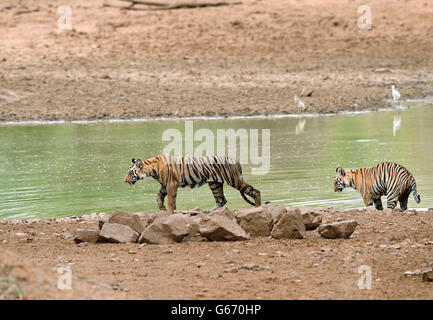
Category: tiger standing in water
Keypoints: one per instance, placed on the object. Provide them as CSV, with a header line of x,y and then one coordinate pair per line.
x,y
386,178
174,172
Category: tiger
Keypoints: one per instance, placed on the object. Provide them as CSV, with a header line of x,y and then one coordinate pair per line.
x,y
386,178
173,172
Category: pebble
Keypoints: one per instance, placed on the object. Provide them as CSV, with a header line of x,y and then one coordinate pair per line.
x,y
21,234
409,274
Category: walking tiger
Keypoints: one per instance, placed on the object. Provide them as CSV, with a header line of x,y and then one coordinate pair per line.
x,y
386,178
174,172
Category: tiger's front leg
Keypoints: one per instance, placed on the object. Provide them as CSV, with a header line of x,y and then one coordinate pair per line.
x,y
160,196
171,194
378,203
368,201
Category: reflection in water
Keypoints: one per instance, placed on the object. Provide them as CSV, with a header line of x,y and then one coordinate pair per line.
x,y
300,126
79,168
396,124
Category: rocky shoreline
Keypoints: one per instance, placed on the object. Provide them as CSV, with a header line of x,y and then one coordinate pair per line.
x,y
270,252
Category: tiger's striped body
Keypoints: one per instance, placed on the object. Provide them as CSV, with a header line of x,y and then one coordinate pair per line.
x,y
174,172
386,178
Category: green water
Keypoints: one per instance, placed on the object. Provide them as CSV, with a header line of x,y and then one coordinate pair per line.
x,y
73,169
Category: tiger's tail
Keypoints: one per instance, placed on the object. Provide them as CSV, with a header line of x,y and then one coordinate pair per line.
x,y
246,199
415,194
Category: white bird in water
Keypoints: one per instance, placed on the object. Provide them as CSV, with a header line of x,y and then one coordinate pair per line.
x,y
395,94
396,124
301,104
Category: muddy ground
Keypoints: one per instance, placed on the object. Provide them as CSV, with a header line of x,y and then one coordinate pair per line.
x,y
389,242
247,59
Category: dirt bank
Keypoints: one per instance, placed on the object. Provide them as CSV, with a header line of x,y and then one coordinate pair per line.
x,y
235,60
389,242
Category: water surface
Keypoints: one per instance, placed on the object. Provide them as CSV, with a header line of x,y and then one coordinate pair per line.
x,y
72,169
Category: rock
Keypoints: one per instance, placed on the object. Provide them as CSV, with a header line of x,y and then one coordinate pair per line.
x,y
118,233
254,267
307,92
154,216
82,244
336,230
21,234
311,216
225,212
101,222
127,219
289,225
193,231
257,222
168,229
409,274
218,227
274,210
382,70
86,235
427,275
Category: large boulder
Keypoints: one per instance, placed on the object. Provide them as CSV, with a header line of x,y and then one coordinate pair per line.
x,y
86,235
257,222
225,212
218,227
128,219
154,216
311,216
194,230
167,229
289,225
336,230
274,210
118,233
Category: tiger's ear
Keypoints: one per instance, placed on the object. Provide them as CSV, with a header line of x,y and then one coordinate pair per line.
x,y
133,160
139,164
340,171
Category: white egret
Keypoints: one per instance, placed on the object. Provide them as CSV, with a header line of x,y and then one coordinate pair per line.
x,y
301,104
395,94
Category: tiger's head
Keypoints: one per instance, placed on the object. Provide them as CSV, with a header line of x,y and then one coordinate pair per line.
x,y
135,172
342,179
